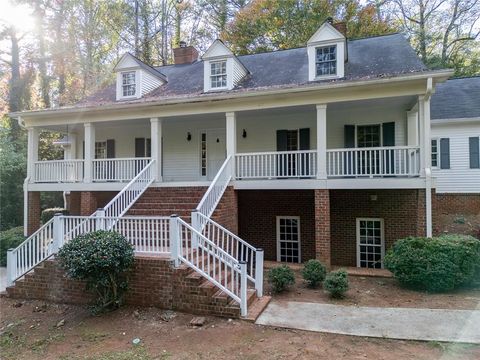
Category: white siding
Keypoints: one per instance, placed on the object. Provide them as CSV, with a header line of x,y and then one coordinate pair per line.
x,y
238,72
459,178
149,82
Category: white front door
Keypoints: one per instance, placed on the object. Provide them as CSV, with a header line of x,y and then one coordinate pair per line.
x,y
216,151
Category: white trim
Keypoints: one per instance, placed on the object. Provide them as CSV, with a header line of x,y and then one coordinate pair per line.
x,y
439,122
278,218
382,239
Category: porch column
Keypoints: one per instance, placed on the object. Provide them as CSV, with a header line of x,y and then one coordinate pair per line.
x,y
32,151
156,144
89,151
231,135
322,141
71,150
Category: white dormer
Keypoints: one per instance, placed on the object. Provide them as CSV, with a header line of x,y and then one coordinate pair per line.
x,y
221,68
326,53
135,78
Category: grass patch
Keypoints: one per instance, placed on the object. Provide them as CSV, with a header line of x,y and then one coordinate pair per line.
x,y
93,336
137,353
41,345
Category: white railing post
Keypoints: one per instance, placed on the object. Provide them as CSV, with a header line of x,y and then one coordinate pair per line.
x,y
175,240
57,232
100,222
11,266
197,226
259,272
243,288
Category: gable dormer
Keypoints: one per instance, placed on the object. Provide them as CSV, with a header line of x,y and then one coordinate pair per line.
x,y
326,53
135,78
221,68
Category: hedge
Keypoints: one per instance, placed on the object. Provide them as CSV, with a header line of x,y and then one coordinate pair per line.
x,y
10,238
47,214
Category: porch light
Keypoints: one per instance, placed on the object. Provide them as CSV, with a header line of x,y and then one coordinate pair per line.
x,y
373,197
189,136
64,141
244,133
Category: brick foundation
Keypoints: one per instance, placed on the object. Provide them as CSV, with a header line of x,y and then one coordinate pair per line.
x,y
322,227
153,282
455,205
257,212
226,213
403,212
34,212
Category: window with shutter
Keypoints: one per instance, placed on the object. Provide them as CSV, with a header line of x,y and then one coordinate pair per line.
x,y
445,153
474,150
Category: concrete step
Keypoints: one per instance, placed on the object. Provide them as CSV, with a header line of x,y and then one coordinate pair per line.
x,y
257,307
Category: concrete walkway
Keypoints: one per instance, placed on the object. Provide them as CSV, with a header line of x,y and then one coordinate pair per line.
x,y
395,323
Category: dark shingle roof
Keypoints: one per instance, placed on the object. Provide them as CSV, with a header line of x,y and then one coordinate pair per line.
x,y
368,58
456,99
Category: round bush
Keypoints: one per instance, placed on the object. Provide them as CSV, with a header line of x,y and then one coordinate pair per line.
x,y
102,259
280,278
9,239
314,273
435,264
47,214
336,283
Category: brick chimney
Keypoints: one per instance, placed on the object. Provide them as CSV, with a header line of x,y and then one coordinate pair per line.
x,y
341,26
185,54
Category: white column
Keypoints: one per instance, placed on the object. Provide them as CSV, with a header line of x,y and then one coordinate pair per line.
x,y
412,128
70,152
322,141
231,133
156,143
32,151
89,151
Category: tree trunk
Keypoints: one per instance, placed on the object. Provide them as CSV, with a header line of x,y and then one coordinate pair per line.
x,y
42,61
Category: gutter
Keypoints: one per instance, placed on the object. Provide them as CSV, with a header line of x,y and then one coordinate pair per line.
x,y
438,122
442,74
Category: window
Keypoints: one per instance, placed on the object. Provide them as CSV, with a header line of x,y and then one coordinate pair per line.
x,y
370,243
368,136
203,154
435,159
128,84
100,150
218,74
288,239
326,60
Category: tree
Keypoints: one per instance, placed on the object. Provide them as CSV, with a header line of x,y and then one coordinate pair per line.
x,y
267,25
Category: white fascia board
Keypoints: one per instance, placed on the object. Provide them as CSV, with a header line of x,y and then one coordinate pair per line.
x,y
440,122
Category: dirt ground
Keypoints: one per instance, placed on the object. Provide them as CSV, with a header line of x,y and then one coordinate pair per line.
x,y
35,330
384,292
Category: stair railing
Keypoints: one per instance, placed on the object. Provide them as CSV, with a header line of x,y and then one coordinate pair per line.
x,y
209,260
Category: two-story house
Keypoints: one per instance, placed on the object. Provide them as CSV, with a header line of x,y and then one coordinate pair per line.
x,y
322,151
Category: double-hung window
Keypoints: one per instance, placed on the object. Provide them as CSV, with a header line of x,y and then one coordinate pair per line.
x,y
128,84
218,74
326,60
435,159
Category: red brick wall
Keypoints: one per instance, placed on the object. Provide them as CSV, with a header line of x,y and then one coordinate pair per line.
x,y
153,282
226,213
73,203
257,212
34,212
322,227
402,210
88,203
446,207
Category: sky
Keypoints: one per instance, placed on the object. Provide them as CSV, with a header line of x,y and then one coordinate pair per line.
x,y
17,15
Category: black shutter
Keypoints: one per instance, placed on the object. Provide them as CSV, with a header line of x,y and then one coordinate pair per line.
x,y
282,166
304,135
83,150
388,139
110,149
349,142
474,147
149,147
388,134
445,153
139,147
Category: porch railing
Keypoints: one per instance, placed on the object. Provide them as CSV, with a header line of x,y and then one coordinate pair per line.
x,y
276,164
58,171
117,169
374,161
234,246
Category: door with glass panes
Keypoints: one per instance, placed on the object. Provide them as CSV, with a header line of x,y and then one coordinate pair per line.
x,y
288,239
370,243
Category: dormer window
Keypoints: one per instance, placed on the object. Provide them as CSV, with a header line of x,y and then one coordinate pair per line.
x,y
326,60
128,84
218,74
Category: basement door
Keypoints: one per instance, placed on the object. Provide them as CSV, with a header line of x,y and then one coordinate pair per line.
x,y
212,152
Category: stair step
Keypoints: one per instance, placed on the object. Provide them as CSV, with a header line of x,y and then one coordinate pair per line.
x,y
257,307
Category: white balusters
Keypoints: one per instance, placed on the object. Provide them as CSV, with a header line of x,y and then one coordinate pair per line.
x,y
117,169
58,171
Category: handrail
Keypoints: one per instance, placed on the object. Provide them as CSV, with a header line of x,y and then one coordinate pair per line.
x,y
215,191
404,147
277,152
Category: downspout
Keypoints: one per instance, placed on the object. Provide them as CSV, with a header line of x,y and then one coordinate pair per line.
x,y
21,123
428,170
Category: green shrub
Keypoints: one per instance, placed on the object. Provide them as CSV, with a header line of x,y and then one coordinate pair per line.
x,y
280,278
314,273
435,264
336,283
10,238
102,259
47,214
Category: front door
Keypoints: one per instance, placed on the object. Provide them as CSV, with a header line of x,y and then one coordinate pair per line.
x,y
215,151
